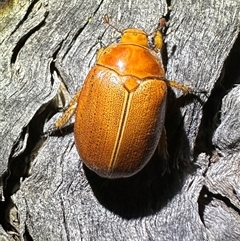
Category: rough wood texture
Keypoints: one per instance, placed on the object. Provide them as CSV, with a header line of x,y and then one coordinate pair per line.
x,y
47,193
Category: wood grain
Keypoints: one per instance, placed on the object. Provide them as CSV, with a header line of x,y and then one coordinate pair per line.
x,y
47,49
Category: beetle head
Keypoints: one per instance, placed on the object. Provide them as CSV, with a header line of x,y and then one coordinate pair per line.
x,y
130,35
134,36
139,36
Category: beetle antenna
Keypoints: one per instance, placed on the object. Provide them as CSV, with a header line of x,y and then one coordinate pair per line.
x,y
107,21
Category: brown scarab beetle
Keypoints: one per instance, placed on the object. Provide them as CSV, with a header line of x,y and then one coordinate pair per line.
x,y
121,107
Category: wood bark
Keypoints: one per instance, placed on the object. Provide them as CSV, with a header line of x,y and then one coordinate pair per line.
x,y
46,51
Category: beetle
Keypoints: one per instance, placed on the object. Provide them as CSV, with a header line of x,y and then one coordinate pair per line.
x,y
121,107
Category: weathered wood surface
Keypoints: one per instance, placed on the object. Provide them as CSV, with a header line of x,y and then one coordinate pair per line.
x,y
49,194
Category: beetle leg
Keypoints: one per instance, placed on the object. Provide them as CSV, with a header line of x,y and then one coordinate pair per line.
x,y
69,112
158,35
162,145
185,89
158,41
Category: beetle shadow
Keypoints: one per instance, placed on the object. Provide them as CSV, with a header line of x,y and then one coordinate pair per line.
x,y
148,191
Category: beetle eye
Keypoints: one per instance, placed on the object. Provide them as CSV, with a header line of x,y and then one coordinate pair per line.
x,y
118,39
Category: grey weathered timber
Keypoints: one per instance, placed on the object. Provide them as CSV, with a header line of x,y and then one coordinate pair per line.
x,y
46,51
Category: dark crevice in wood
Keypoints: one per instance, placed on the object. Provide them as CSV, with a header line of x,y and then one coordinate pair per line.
x,y
29,10
21,42
164,55
27,236
203,200
208,166
99,5
212,109
53,65
21,158
19,162
206,197
226,200
12,176
5,217
169,2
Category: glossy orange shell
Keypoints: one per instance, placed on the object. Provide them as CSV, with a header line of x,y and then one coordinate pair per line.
x,y
121,110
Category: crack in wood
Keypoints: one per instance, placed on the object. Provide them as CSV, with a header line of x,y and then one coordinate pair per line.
x,y
21,42
25,17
